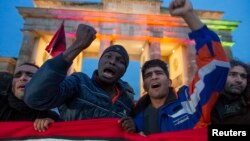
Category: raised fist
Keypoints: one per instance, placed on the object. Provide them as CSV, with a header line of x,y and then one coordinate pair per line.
x,y
85,35
180,7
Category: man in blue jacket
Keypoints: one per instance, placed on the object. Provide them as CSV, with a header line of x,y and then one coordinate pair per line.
x,y
161,110
77,96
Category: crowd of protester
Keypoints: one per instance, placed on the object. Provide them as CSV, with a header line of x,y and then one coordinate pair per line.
x,y
224,96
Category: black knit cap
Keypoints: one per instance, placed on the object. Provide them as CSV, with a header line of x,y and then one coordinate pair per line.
x,y
119,49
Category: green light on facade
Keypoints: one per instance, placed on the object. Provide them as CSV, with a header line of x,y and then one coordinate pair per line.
x,y
221,25
227,44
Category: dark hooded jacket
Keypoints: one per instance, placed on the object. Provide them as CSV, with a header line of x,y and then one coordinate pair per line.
x,y
231,110
14,109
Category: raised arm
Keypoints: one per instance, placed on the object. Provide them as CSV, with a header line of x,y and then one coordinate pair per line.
x,y
211,61
184,9
50,87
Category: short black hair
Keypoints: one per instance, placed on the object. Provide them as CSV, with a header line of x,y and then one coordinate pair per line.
x,y
29,64
155,63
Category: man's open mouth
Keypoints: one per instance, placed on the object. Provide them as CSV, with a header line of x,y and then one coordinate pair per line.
x,y
108,73
155,85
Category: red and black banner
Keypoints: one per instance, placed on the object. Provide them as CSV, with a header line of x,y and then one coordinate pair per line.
x,y
95,129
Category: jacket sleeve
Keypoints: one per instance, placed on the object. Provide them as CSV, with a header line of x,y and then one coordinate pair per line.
x,y
213,67
49,87
49,114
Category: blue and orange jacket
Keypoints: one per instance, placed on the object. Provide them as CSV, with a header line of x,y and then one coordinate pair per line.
x,y
194,103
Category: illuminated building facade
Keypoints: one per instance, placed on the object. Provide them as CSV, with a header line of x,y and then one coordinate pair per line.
x,y
143,27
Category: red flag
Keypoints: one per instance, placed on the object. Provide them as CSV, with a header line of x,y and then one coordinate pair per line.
x,y
58,42
92,129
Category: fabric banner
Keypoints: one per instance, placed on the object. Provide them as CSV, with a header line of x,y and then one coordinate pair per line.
x,y
94,129
57,43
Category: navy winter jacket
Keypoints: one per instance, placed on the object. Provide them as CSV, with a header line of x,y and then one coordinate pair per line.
x,y
77,95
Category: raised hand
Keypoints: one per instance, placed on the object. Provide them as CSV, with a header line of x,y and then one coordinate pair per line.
x,y
180,7
184,9
85,35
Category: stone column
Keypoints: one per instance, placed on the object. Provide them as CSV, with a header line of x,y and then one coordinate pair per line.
x,y
104,43
228,52
154,50
28,50
191,67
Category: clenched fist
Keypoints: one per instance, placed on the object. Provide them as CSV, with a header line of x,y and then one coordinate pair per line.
x,y
85,35
180,7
